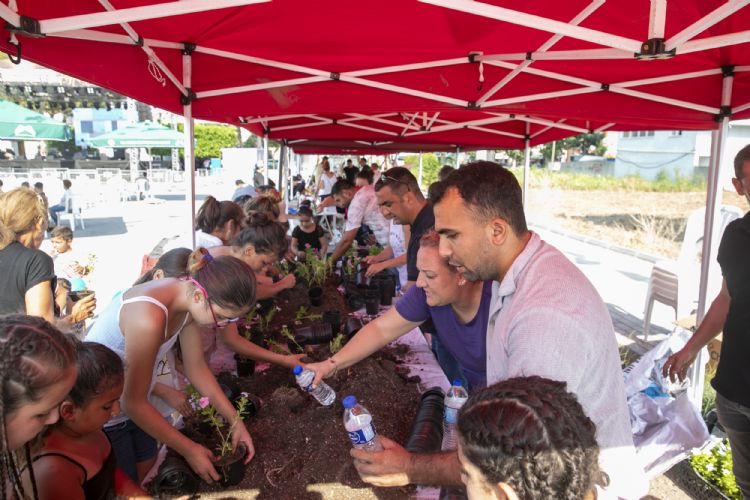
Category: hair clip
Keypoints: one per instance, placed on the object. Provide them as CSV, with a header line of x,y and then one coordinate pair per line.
x,y
208,257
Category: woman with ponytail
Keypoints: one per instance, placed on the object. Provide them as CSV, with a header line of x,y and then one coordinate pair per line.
x,y
37,371
262,243
217,222
142,324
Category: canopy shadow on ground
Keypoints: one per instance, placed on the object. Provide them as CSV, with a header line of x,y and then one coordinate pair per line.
x,y
98,226
178,197
627,324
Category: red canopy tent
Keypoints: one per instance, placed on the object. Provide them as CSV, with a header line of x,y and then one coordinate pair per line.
x,y
617,64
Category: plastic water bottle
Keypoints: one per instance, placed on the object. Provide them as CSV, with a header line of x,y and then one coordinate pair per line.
x,y
358,423
454,400
323,393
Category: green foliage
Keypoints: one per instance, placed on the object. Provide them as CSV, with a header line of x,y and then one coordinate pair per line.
x,y
337,343
716,467
211,138
314,268
208,413
430,167
374,250
577,181
709,394
304,313
276,347
287,334
589,144
264,321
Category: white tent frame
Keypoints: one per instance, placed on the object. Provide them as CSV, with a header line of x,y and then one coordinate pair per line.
x,y
614,47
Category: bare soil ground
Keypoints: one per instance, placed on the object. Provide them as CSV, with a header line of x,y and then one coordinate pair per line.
x,y
646,221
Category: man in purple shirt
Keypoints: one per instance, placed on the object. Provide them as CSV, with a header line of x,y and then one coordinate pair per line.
x,y
459,309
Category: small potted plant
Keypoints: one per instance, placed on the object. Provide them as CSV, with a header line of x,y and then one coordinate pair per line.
x,y
230,462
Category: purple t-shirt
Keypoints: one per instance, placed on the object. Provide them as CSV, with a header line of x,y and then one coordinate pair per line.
x,y
466,342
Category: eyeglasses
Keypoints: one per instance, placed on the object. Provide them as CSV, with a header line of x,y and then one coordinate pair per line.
x,y
218,323
385,179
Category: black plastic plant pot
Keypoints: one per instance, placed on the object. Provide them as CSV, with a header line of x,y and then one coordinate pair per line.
x,y
427,431
317,333
355,302
228,384
254,404
369,291
352,326
80,294
245,366
174,478
265,306
334,319
231,468
386,282
363,252
372,305
316,296
257,338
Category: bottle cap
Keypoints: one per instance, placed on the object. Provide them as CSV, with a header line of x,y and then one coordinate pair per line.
x,y
350,402
297,370
458,382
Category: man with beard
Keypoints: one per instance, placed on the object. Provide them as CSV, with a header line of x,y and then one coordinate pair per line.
x,y
546,319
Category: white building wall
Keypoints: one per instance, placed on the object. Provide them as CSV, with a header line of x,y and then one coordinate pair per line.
x,y
666,151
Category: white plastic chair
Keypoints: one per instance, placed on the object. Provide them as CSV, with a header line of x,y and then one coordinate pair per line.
x,y
675,283
71,213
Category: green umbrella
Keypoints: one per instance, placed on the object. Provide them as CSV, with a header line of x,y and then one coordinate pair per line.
x,y
140,135
20,124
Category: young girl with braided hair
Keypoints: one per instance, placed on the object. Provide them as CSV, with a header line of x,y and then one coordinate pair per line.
x,y
37,371
527,438
142,324
76,456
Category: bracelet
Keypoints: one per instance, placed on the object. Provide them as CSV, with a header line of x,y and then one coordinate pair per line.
x,y
335,366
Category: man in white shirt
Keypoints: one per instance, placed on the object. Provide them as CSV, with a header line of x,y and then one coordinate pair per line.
x,y
361,206
65,202
546,319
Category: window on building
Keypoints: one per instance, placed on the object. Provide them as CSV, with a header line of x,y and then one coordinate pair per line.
x,y
87,127
675,133
89,90
114,124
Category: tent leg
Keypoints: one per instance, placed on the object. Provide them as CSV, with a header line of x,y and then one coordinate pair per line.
x,y
265,158
189,152
526,165
713,206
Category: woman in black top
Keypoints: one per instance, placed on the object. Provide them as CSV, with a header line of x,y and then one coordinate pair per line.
x,y
308,234
29,274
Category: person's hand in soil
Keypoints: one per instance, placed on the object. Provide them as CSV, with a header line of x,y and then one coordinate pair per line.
x,y
375,268
241,435
174,398
288,282
389,467
200,459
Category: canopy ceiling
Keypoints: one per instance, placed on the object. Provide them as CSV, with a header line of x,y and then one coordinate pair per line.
x,y
456,63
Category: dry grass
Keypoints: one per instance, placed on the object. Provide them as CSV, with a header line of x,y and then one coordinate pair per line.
x,y
650,222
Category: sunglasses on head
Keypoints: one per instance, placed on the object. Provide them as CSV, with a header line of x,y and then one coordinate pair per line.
x,y
385,179
218,323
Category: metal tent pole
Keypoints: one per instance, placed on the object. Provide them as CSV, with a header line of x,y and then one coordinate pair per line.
x,y
526,164
265,158
713,206
189,148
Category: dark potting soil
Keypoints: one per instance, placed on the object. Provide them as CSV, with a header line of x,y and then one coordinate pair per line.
x,y
302,450
290,301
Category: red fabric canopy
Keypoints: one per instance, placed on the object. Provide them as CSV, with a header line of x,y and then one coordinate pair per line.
x,y
329,58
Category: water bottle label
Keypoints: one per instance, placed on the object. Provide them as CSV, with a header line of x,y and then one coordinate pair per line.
x,y
362,436
451,415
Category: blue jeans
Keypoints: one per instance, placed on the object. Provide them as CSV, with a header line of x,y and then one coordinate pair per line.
x,y
735,419
54,210
131,445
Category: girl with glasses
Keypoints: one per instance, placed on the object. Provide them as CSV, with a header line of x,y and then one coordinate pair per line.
x,y
141,325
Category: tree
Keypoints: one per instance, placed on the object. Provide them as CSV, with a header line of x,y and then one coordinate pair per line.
x,y
211,138
430,167
588,144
